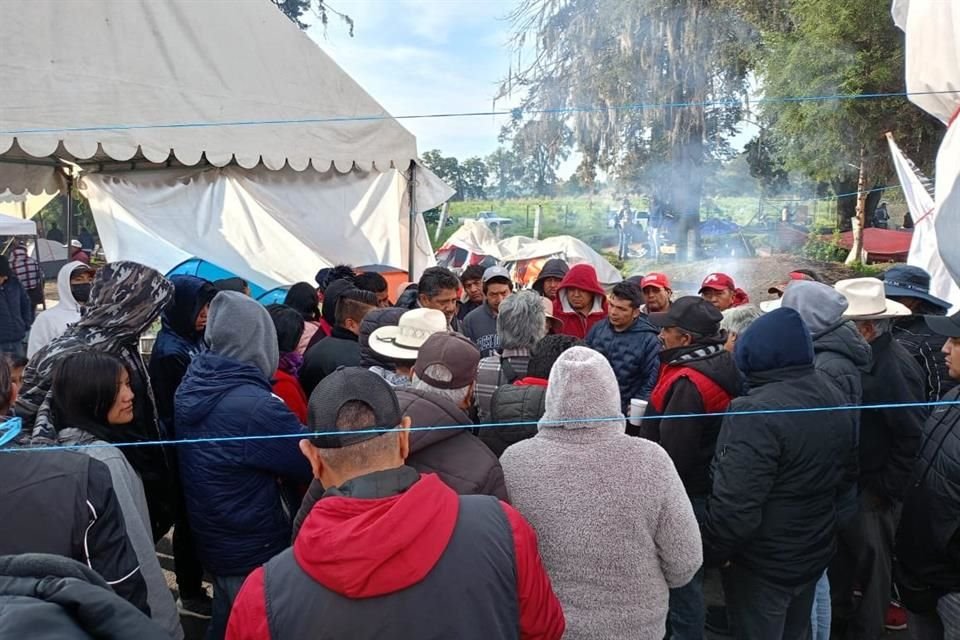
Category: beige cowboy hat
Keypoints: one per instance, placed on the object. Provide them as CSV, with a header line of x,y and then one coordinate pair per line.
x,y
868,301
403,342
554,321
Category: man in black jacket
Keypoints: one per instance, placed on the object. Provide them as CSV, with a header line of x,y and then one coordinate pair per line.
x,y
889,441
697,376
928,539
910,286
777,478
342,347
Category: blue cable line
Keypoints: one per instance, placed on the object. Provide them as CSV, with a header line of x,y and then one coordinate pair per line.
x,y
467,114
489,425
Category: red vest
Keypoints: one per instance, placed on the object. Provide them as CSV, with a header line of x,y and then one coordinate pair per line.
x,y
716,399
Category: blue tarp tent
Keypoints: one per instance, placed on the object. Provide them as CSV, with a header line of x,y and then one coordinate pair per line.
x,y
209,271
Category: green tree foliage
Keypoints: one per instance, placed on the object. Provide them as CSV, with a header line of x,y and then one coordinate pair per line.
x,y
295,10
597,65
540,146
506,173
824,48
469,177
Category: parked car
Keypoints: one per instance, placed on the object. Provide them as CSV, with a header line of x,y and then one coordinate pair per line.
x,y
492,219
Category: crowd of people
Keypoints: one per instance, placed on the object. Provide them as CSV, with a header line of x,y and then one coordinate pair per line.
x,y
478,461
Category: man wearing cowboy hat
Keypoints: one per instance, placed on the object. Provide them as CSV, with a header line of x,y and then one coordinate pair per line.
x,y
889,440
910,286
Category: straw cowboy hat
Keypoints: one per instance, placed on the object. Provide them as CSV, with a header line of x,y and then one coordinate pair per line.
x,y
868,300
403,341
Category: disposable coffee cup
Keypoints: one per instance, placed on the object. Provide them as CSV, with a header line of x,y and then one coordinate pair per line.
x,y
638,407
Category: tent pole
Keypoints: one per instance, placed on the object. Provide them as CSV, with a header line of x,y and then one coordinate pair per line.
x,y
412,222
69,208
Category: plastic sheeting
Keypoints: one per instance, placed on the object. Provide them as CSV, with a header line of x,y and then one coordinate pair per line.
x,y
270,227
924,248
933,78
476,238
231,82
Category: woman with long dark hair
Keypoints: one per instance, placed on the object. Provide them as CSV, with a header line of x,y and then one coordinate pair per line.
x,y
302,297
286,384
93,404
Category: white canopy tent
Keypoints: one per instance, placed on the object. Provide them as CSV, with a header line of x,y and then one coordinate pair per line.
x,y
212,128
17,227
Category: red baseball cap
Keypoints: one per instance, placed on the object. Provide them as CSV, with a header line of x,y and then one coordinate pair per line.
x,y
794,275
718,282
658,280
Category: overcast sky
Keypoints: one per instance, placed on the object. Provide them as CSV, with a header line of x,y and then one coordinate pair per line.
x,y
428,56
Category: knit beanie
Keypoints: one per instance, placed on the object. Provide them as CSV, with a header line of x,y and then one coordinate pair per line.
x,y
584,388
775,340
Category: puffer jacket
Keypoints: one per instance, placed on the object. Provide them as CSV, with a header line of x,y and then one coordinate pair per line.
x,y
456,455
778,479
842,355
634,354
912,333
48,596
519,407
928,544
580,276
234,500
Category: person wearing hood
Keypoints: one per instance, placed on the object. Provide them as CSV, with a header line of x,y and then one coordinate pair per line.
x,y
16,312
927,540
616,529
179,340
889,442
48,596
73,289
233,495
551,275
581,302
778,478
910,286
629,343
286,381
397,372
389,553
342,347
519,406
125,299
439,396
63,503
93,403
697,376
520,325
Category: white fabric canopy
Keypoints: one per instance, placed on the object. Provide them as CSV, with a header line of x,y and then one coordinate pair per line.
x,y
477,238
17,227
270,227
933,78
235,81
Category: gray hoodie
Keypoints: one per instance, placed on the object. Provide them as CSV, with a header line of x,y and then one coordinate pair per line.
x,y
616,528
240,328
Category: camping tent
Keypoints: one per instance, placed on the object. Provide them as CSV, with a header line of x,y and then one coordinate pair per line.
x,y
932,52
222,131
475,243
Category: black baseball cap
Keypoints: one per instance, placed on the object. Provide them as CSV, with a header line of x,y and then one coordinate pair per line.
x,y
690,313
946,326
344,385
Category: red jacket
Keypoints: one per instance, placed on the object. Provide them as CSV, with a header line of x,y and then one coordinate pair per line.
x,y
580,276
289,390
373,547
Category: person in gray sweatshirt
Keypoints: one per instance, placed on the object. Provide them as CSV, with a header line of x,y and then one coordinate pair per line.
x,y
616,528
93,403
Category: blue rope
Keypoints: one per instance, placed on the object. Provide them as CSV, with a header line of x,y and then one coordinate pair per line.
x,y
469,114
489,425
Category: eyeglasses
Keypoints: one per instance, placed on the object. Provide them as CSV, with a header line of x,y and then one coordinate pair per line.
x,y
10,429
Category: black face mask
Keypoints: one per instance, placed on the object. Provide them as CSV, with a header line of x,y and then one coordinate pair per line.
x,y
81,292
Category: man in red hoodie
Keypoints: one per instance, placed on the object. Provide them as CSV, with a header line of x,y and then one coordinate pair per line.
x,y
387,553
581,301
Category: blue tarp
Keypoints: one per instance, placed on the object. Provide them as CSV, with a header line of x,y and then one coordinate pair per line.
x,y
209,271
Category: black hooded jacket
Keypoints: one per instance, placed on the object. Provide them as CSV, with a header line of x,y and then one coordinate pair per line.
x,y
921,343
47,596
553,268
